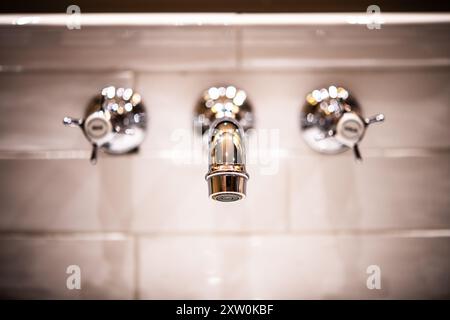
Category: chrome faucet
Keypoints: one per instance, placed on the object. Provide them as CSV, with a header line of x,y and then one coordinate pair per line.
x,y
332,121
225,113
115,122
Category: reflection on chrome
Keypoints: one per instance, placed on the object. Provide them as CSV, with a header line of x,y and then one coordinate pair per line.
x,y
332,121
115,122
225,113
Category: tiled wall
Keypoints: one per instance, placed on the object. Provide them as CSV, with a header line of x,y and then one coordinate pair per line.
x,y
142,226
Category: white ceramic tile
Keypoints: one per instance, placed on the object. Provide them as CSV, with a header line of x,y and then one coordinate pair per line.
x,y
157,48
292,267
124,193
335,193
174,197
35,268
32,123
188,48
276,100
65,195
33,106
278,97
354,46
171,98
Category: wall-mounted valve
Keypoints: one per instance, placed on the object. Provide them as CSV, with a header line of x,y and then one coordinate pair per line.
x,y
224,112
332,122
114,121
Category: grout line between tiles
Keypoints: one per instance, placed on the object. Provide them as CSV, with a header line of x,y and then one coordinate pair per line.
x,y
121,236
161,153
239,49
66,235
133,75
287,204
242,68
64,71
136,269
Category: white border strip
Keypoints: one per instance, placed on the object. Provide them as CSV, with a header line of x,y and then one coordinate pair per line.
x,y
220,19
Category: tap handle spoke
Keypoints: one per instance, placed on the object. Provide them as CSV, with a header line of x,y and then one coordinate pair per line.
x,y
72,122
357,153
374,119
94,154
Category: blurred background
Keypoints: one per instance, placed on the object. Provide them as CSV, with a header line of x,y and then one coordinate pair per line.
x,y
142,226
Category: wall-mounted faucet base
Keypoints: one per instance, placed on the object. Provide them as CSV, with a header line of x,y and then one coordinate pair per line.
x,y
115,122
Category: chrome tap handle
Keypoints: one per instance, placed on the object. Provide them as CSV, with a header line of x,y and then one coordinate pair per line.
x,y
115,121
71,122
333,112
374,119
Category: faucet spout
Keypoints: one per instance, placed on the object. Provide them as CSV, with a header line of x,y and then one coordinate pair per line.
x,y
227,176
